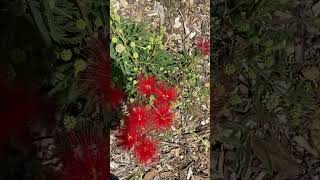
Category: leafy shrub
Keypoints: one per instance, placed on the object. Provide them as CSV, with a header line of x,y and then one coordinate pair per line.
x,y
136,49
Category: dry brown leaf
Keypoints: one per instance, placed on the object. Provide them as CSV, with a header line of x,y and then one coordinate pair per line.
x,y
190,173
123,3
200,178
150,174
160,11
311,73
177,23
165,174
260,176
175,152
282,15
314,135
275,156
316,9
315,125
303,143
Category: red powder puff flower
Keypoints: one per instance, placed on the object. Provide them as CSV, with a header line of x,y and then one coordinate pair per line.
x,y
138,116
162,117
204,46
114,97
127,137
146,85
86,158
145,151
86,162
97,74
164,95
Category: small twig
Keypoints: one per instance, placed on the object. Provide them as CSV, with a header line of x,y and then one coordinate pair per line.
x,y
221,161
234,8
184,29
172,143
42,138
295,20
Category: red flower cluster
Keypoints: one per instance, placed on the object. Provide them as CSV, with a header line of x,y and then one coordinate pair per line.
x,y
204,46
86,157
147,86
143,119
97,74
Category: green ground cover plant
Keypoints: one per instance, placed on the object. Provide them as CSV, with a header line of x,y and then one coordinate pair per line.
x,y
262,96
137,48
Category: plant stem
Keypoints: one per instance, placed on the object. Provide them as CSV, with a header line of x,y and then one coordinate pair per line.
x,y
84,15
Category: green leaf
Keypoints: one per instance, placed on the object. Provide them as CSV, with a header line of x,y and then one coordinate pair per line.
x,y
39,20
60,17
73,93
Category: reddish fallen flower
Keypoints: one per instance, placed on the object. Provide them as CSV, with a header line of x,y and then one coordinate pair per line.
x,y
204,46
164,95
127,137
162,117
145,151
146,85
138,117
86,158
114,97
